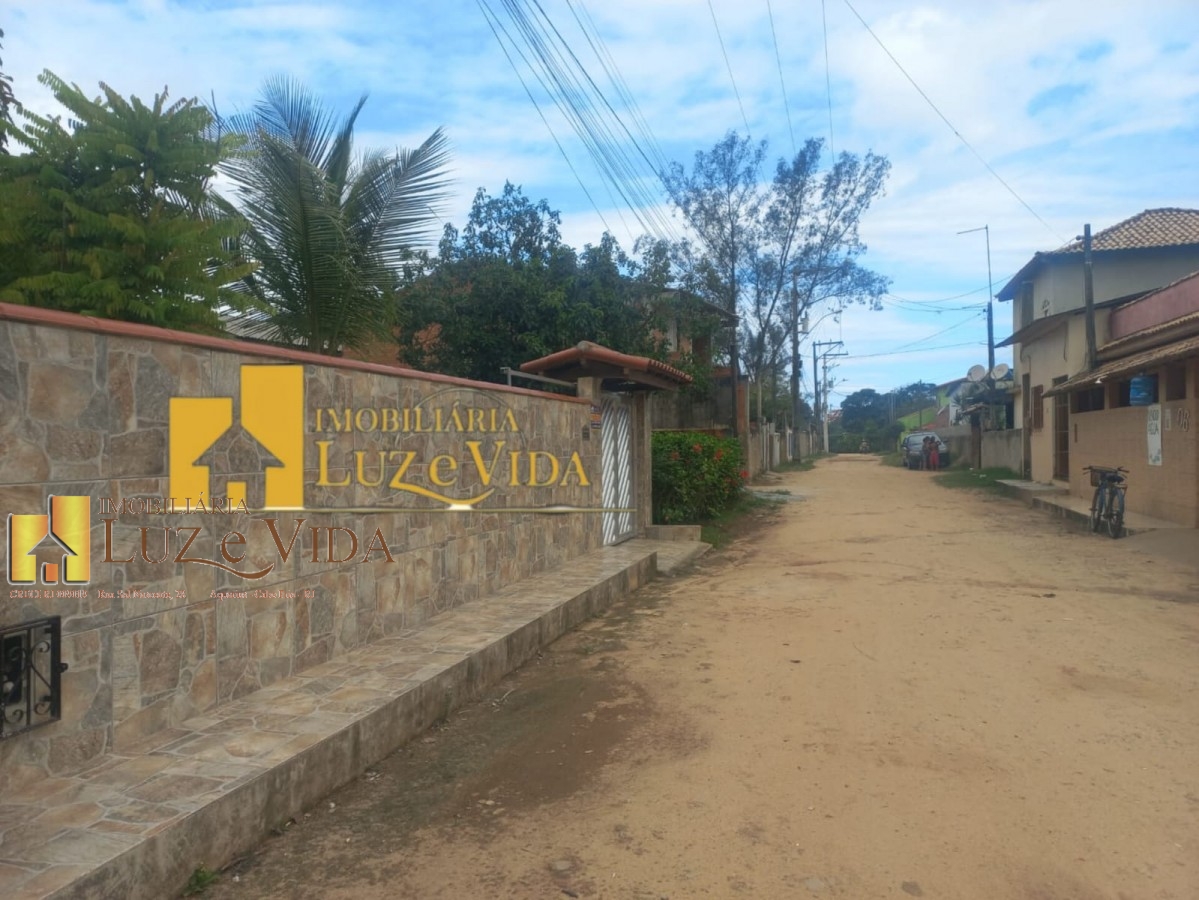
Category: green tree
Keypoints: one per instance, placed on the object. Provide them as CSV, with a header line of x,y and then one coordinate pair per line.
x,y
506,289
7,101
329,232
914,396
864,410
826,267
111,214
721,200
772,250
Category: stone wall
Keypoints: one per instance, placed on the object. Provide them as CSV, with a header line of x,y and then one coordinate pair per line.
x,y
86,410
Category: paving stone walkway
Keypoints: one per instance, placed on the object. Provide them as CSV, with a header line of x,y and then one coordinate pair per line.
x,y
136,823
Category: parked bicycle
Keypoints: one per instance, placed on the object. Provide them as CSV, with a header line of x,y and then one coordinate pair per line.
x,y
1107,505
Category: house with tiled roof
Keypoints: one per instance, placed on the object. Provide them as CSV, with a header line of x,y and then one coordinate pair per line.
x,y
1049,335
1138,406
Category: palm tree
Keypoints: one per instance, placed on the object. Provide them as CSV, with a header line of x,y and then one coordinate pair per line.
x,y
327,230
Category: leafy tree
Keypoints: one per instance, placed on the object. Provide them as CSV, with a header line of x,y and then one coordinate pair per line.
x,y
7,101
329,232
506,289
111,215
721,201
865,410
773,250
826,267
914,396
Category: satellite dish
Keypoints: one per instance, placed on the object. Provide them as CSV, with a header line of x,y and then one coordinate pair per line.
x,y
976,373
1000,371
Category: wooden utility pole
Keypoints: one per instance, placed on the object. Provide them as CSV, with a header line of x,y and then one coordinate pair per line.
x,y
986,229
1088,293
822,411
796,359
815,385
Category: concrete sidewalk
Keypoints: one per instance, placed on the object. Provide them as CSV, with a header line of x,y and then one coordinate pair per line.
x,y
136,824
1059,502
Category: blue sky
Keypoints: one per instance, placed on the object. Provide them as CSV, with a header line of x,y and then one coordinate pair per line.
x,y
1088,109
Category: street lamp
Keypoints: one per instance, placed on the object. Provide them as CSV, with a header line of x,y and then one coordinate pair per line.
x,y
990,292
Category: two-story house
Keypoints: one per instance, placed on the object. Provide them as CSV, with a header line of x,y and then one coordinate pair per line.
x,y
1139,407
1129,259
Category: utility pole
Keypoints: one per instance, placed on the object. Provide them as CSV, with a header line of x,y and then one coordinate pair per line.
x,y
1088,292
796,359
825,417
822,410
986,229
815,385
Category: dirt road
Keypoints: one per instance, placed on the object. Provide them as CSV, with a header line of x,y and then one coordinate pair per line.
x,y
890,689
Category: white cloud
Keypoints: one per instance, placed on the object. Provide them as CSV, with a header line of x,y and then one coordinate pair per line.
x,y
1085,107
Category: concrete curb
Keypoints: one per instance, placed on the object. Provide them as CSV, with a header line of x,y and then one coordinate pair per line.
x,y
1076,517
680,562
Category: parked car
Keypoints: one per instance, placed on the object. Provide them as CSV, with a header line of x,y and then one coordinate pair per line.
x,y
912,448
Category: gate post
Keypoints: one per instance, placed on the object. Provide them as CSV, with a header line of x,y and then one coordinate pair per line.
x,y
643,460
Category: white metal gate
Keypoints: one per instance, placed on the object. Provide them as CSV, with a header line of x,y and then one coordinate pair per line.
x,y
616,440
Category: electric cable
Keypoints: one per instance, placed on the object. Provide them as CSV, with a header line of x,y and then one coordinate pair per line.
x,y
729,66
783,84
545,121
949,124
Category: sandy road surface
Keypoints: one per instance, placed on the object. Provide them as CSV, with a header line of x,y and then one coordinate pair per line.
x,y
890,689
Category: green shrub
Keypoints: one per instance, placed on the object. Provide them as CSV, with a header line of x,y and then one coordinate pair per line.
x,y
695,475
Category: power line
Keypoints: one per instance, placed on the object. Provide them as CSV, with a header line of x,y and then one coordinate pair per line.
x,y
965,321
487,15
608,63
917,350
592,125
594,86
777,58
957,134
940,299
828,82
906,306
947,299
729,66
556,67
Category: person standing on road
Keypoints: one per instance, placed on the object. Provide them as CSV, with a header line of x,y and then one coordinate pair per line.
x,y
925,454
934,454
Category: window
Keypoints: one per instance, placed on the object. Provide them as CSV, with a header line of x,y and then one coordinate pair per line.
x,y
1026,310
1038,407
1090,400
1176,382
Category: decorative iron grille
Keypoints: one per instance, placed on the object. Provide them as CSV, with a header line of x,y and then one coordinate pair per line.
x,y
31,670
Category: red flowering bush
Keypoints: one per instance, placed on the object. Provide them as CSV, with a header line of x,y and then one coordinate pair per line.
x,y
695,476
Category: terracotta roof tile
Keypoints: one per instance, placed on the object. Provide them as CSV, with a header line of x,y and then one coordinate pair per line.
x,y
587,350
1168,227
1137,362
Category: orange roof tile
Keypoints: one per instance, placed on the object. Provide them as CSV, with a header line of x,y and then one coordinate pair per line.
x,y
1167,227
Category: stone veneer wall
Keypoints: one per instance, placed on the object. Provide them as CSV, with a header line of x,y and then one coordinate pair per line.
x,y
84,410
